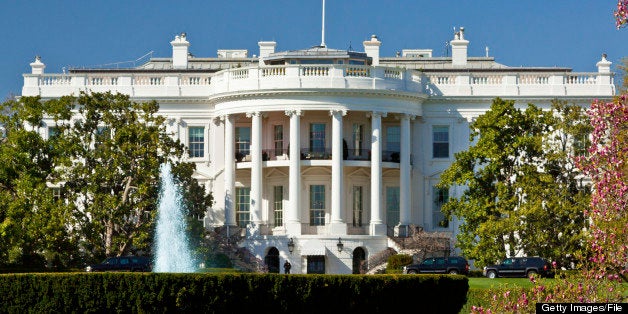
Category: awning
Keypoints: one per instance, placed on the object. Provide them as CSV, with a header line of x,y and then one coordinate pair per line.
x,y
312,247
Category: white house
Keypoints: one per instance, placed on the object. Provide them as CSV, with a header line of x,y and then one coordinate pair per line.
x,y
310,149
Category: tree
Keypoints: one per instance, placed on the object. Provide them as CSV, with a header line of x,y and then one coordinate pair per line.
x,y
621,14
607,166
32,221
91,188
114,149
521,190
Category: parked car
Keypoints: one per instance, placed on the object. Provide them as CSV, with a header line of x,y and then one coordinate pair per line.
x,y
122,263
439,265
520,267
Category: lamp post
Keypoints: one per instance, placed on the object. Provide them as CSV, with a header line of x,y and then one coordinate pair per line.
x,y
291,245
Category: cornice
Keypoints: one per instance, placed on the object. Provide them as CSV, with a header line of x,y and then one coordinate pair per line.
x,y
527,99
339,92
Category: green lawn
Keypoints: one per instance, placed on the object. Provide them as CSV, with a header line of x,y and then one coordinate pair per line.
x,y
487,283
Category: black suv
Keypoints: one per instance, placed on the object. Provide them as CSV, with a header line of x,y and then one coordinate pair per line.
x,y
519,267
439,265
122,263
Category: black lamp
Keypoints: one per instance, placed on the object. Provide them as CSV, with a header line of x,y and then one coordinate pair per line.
x,y
340,245
291,245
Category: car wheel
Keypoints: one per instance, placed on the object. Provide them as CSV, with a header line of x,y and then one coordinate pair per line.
x,y
412,272
491,274
453,272
531,273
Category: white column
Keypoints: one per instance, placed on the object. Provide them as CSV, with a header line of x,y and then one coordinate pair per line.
x,y
256,166
338,226
377,226
404,171
229,171
292,217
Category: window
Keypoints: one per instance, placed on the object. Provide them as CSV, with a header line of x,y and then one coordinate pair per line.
x,y
317,137
393,139
56,194
52,132
243,140
315,264
278,205
102,133
440,147
581,145
357,206
278,138
243,206
392,205
317,205
196,141
441,196
358,139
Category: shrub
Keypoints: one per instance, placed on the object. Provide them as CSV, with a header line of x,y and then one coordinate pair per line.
x,y
397,261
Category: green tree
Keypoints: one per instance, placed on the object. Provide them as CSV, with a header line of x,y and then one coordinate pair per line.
x,y
91,188
114,149
521,189
32,221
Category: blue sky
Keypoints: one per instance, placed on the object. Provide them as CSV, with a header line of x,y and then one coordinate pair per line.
x,y
567,33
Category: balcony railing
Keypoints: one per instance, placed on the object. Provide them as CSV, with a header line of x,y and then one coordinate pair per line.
x,y
315,153
463,83
318,154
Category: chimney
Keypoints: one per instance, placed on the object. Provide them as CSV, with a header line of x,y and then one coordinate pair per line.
x,y
371,47
266,48
603,66
459,49
37,66
180,52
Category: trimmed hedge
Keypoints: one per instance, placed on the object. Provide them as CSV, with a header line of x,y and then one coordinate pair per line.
x,y
229,293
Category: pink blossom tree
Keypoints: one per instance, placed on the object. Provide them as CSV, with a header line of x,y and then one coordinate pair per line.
x,y
607,166
621,14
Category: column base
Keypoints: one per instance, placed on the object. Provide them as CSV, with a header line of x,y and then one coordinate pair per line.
x,y
337,228
293,228
377,229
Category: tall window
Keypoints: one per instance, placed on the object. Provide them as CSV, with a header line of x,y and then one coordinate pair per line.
x,y
317,205
581,145
441,196
278,138
56,194
358,139
440,135
102,133
392,205
393,138
278,205
196,141
243,206
317,137
52,132
357,206
243,140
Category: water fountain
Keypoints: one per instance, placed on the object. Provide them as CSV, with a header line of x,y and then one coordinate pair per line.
x,y
172,252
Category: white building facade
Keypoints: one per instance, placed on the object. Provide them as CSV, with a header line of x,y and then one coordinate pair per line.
x,y
324,157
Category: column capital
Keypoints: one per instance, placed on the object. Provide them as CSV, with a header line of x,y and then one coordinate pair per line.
x,y
251,114
405,116
343,112
294,112
380,114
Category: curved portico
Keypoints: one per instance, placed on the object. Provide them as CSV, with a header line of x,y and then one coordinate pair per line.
x,y
336,132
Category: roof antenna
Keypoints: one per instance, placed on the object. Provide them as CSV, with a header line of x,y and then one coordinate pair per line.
x,y
323,28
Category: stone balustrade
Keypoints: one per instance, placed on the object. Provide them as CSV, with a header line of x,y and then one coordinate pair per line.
x,y
463,83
